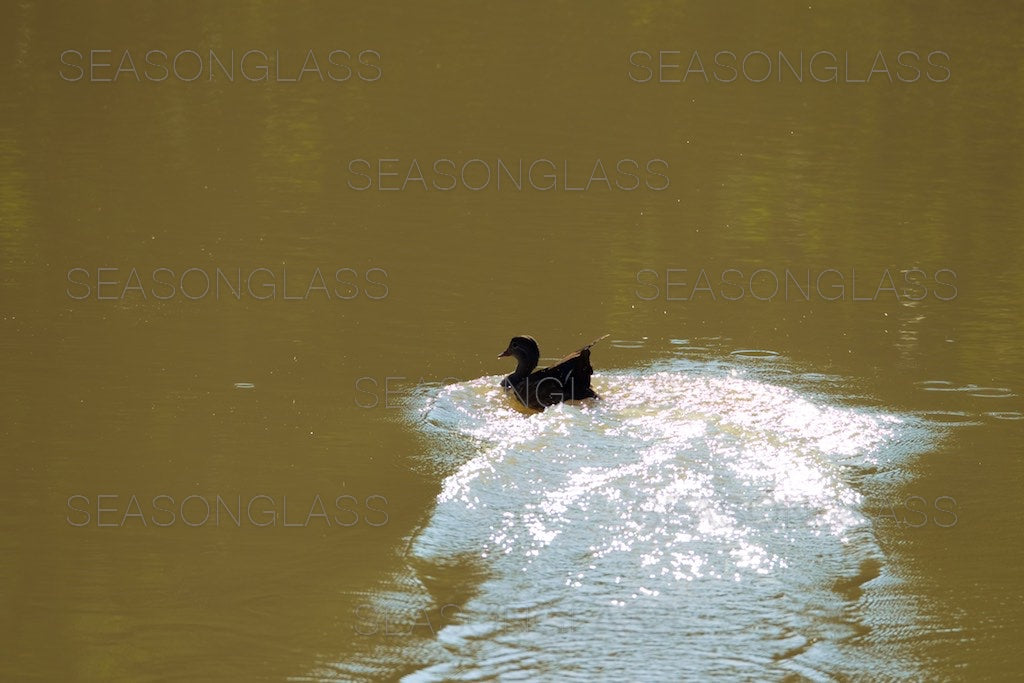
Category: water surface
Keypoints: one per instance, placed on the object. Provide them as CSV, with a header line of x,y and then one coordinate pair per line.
x,y
811,447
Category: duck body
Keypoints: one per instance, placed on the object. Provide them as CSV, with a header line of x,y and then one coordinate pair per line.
x,y
567,380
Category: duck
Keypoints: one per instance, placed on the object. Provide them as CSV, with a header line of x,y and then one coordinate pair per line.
x,y
568,379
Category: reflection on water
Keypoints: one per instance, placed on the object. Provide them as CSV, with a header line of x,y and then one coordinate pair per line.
x,y
698,519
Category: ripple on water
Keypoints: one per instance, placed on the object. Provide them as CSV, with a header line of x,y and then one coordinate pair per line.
x,y
950,418
681,516
969,389
1005,415
987,392
685,348
936,385
754,353
629,343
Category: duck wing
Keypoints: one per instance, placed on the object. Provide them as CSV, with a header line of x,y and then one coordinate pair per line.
x,y
565,381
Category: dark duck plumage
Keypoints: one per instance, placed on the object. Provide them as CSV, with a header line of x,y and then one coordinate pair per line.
x,y
567,380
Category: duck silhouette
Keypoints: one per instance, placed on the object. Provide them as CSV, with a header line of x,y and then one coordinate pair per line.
x,y
567,380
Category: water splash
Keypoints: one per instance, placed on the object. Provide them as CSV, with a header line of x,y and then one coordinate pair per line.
x,y
705,516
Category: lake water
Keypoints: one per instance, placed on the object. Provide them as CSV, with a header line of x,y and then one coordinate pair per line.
x,y
252,300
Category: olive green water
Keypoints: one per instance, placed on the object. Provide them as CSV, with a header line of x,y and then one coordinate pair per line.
x,y
205,295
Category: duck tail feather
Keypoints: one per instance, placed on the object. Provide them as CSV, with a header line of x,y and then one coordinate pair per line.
x,y
603,336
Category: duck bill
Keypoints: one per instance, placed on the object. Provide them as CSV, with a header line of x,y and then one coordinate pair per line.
x,y
506,352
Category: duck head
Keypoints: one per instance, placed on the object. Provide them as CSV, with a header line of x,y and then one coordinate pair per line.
x,y
525,350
